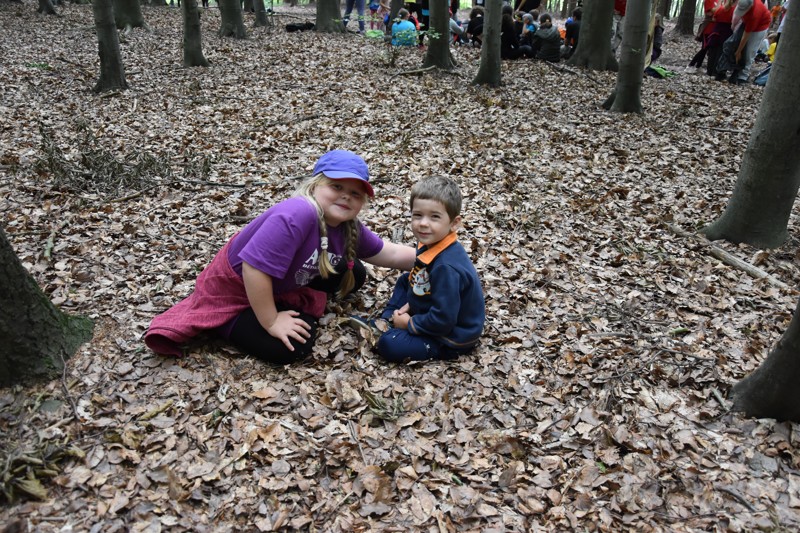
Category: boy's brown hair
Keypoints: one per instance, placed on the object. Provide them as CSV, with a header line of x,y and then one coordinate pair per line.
x,y
440,189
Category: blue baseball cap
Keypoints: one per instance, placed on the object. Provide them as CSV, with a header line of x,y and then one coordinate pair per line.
x,y
341,165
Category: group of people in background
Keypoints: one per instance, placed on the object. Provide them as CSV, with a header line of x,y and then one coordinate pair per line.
x,y
734,34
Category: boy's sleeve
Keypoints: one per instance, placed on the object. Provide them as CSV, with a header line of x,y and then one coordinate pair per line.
x,y
442,316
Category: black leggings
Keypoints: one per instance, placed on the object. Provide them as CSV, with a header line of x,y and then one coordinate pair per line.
x,y
249,336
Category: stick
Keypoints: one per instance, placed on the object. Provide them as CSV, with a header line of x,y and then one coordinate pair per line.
x,y
728,258
738,497
417,71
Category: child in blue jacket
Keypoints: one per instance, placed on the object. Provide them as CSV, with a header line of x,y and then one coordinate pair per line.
x,y
437,310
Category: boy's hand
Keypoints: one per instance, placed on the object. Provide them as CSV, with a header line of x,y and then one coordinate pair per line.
x,y
400,318
287,327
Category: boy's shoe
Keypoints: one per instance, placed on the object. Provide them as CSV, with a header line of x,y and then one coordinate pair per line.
x,y
369,324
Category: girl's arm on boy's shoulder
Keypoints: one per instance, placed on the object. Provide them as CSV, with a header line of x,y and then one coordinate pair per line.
x,y
283,325
394,256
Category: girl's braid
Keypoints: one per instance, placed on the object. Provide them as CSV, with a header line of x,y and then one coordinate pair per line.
x,y
351,241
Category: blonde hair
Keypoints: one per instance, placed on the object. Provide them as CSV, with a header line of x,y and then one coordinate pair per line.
x,y
351,233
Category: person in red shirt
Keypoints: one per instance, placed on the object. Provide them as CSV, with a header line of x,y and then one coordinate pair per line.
x,y
756,19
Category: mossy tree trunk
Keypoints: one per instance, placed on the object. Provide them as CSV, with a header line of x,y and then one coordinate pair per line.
x,y
594,46
329,17
231,21
771,391
758,211
489,69
128,14
192,41
112,73
438,52
627,95
35,336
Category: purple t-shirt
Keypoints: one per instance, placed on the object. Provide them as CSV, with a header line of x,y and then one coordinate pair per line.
x,y
284,242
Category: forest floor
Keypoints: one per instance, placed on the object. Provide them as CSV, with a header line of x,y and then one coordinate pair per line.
x,y
597,400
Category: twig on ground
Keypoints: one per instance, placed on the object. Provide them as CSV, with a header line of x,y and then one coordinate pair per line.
x,y
728,258
738,497
292,120
413,72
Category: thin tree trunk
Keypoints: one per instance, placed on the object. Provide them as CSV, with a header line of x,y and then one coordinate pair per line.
x,y
594,46
771,391
664,7
35,336
112,73
759,209
192,41
685,25
627,96
261,14
231,21
329,17
46,7
438,53
489,69
128,14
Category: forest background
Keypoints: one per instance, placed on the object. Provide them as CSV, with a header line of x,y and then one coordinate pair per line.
x,y
597,399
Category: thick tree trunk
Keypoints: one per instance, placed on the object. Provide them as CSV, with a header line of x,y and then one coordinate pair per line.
x,y
248,6
438,53
261,14
627,96
112,74
231,21
329,17
594,46
46,7
664,7
759,209
192,42
489,69
128,14
34,335
771,391
685,24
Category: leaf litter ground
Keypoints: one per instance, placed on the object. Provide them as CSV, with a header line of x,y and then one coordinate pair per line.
x,y
597,398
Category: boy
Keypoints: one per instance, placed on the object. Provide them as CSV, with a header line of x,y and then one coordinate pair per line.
x,y
437,310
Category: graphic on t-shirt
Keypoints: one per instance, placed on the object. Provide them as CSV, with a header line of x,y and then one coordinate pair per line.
x,y
310,268
421,282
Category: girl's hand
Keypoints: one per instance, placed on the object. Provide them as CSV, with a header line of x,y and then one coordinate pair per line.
x,y
286,327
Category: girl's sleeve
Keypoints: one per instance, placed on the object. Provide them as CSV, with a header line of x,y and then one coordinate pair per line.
x,y
369,244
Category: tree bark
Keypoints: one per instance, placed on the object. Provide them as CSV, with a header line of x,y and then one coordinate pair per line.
x,y
112,73
261,14
489,69
46,7
192,41
329,17
771,391
438,52
627,96
759,209
231,21
685,24
35,336
594,46
664,8
128,14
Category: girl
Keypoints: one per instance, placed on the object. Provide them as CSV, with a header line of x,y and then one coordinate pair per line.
x,y
266,288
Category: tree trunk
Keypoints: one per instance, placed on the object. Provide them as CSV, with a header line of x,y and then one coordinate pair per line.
x,y
664,7
685,24
34,335
489,69
46,7
594,46
329,17
759,209
231,21
248,6
128,14
627,96
438,53
112,74
771,391
261,14
192,43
